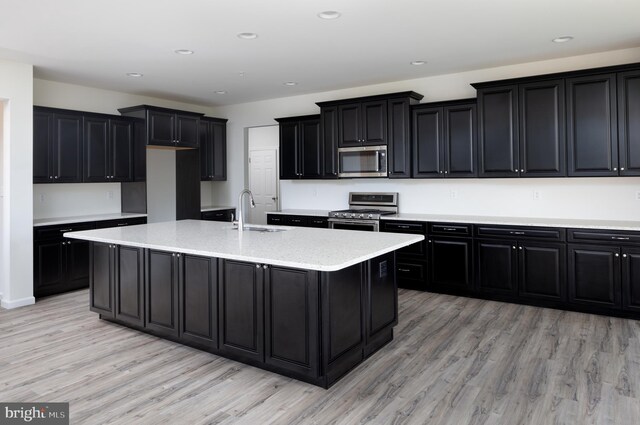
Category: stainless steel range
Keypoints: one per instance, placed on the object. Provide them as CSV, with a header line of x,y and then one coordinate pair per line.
x,y
365,210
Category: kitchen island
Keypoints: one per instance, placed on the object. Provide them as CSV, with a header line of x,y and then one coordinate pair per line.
x,y
310,304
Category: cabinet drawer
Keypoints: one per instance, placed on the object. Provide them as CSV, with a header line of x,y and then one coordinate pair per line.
x,y
450,229
543,233
608,236
413,271
404,227
295,220
120,223
55,232
275,219
321,222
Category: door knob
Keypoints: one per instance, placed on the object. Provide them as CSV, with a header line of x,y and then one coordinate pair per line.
x,y
275,198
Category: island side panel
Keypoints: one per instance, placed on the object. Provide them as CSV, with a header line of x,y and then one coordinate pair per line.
x,y
343,338
381,306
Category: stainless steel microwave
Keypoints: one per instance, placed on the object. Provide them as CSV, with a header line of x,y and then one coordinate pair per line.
x,y
362,161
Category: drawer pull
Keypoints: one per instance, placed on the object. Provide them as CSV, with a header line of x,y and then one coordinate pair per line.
x,y
122,224
450,229
65,230
403,226
619,238
517,233
404,270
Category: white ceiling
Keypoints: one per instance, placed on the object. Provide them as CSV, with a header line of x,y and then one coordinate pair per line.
x,y
96,42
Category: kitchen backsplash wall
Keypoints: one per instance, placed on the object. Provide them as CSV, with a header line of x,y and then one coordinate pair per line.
x,y
590,198
71,199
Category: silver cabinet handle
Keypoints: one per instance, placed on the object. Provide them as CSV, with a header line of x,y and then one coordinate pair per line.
x,y
522,170
624,255
65,230
264,266
51,177
514,247
404,270
446,172
617,255
520,248
257,266
621,168
619,238
615,168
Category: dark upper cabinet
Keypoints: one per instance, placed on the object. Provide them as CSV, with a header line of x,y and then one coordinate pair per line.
x,y
329,135
108,149
592,135
301,147
349,124
444,139
497,267
161,292
542,129
498,146
399,143
631,279
594,275
57,146
362,123
139,150
629,122
168,127
213,149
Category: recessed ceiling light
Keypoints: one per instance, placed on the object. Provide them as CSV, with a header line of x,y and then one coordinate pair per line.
x,y
562,39
134,74
220,92
290,83
248,35
184,51
329,14
418,62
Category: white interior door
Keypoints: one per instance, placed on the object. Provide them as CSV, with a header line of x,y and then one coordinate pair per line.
x,y
263,183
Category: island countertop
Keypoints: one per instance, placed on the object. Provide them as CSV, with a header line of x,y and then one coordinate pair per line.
x,y
298,247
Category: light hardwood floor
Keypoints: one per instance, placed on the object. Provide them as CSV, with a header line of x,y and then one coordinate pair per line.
x,y
454,360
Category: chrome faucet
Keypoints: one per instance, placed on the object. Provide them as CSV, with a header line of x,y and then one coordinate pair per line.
x,y
241,209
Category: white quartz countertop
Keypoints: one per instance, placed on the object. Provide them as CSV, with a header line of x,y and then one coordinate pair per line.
x,y
319,213
83,218
298,247
521,221
216,208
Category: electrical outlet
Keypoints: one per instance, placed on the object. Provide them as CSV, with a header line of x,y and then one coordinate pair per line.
x,y
315,192
42,198
536,195
453,194
638,195
110,194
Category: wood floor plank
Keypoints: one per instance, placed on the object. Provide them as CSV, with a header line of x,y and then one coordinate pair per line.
x,y
454,360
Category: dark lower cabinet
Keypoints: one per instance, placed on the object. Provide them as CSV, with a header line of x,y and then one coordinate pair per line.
x,y
381,310
631,279
129,285
497,267
161,292
451,263
542,271
594,275
291,320
198,308
102,270
241,310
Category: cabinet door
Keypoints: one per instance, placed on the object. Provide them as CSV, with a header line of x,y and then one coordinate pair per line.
x,y
428,156
161,293
592,136
187,131
206,151
497,265
311,149
631,279
121,132
498,131
629,122
451,264
96,149
459,143
199,300
594,275
289,150
329,127
77,263
101,269
381,300
139,150
291,320
129,285
542,268
399,148
241,308
218,146
161,128
49,267
374,123
42,145
542,129
67,148
349,121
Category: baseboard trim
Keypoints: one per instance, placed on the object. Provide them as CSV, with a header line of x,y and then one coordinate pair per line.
x,y
9,304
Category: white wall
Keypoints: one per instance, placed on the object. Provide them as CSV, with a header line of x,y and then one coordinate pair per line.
x,y
565,197
73,199
16,87
161,185
2,224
